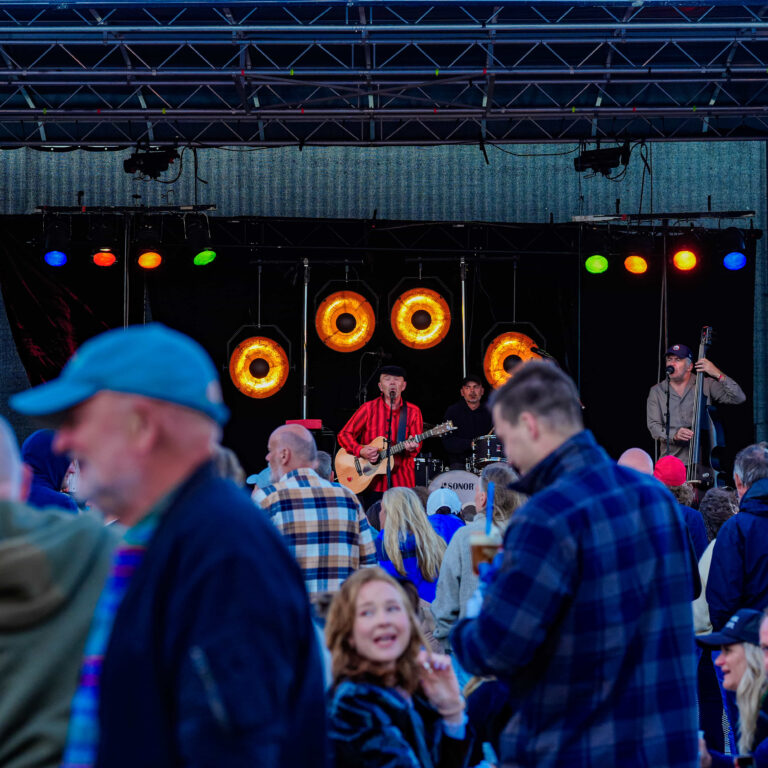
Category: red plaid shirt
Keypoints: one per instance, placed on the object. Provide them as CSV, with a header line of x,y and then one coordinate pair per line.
x,y
368,422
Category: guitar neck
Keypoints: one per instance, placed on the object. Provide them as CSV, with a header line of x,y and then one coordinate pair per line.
x,y
398,447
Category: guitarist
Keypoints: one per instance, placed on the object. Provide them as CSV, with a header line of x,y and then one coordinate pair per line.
x,y
370,421
718,388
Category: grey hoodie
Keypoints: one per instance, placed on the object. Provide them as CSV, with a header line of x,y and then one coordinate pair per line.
x,y
52,568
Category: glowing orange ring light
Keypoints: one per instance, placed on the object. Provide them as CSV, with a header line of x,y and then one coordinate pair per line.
x,y
345,321
258,367
420,318
502,347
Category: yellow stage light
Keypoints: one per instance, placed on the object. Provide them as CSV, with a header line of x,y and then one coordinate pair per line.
x,y
345,321
258,367
420,318
503,354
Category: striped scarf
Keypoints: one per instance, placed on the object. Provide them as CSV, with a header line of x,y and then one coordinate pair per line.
x,y
83,732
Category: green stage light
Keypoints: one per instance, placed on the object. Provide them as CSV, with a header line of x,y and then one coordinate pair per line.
x,y
206,256
596,264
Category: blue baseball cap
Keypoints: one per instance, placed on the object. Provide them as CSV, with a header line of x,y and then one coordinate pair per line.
x,y
679,350
150,360
742,627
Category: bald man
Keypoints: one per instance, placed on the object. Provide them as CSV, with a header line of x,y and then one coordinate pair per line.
x,y
52,568
324,524
636,458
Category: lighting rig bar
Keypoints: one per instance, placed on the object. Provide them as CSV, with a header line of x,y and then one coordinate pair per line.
x,y
380,73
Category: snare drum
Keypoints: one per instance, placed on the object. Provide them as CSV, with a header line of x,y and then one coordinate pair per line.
x,y
464,483
486,450
426,469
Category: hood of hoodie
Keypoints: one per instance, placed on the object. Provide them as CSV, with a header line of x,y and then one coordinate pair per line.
x,y
755,500
48,470
45,556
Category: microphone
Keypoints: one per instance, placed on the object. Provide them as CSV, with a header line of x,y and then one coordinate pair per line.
x,y
380,353
391,395
542,353
670,370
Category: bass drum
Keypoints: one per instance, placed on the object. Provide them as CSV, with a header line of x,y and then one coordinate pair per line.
x,y
426,470
464,483
486,450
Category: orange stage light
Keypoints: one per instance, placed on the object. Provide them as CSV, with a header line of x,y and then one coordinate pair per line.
x,y
503,353
150,260
637,265
420,318
345,321
684,260
258,367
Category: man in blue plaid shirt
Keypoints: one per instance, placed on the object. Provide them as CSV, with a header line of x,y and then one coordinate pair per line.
x,y
588,621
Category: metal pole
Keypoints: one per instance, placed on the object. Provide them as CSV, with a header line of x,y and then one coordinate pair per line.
x,y
463,265
126,282
304,388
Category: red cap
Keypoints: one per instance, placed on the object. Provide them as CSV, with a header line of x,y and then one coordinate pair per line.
x,y
670,470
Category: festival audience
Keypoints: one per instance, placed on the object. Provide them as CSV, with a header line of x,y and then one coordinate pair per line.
x,y
408,545
444,512
458,581
202,650
322,522
48,472
743,665
52,568
393,703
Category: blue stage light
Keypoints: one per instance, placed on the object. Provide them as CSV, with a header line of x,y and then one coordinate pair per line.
x,y
55,258
735,260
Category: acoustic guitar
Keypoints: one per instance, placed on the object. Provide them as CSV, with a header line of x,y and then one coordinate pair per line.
x,y
356,473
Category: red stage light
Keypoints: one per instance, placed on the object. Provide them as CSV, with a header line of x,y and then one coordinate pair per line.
x,y
104,258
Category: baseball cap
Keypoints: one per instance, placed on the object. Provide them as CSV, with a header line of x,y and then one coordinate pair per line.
x,y
679,350
150,360
742,627
474,378
670,470
443,497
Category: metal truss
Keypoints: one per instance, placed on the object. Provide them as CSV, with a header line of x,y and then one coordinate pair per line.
x,y
400,73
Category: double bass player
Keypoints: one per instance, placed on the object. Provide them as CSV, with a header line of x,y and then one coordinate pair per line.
x,y
680,384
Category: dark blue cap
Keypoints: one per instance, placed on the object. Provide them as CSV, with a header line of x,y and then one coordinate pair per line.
x,y
679,350
150,360
742,627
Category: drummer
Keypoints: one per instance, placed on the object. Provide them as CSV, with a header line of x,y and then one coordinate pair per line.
x,y
471,419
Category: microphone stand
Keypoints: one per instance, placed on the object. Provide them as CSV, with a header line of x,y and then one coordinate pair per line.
x,y
669,386
389,438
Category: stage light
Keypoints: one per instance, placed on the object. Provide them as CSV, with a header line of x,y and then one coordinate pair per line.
x,y
504,354
150,163
55,258
104,258
57,239
150,259
420,318
345,321
596,264
732,244
684,259
198,235
258,367
148,240
637,265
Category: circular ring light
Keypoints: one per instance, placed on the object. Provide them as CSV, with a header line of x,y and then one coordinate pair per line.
x,y
345,321
504,353
420,318
258,367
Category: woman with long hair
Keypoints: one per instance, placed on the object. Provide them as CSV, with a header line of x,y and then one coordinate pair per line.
x,y
392,703
743,666
408,544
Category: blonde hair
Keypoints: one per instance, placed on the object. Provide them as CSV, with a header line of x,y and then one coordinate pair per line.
x,y
749,695
346,662
505,500
404,515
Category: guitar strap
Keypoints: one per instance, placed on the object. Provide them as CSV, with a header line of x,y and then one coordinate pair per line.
x,y
401,423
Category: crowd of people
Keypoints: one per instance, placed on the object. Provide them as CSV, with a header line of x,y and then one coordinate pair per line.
x,y
581,611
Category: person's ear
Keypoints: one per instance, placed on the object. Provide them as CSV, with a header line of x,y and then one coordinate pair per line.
x,y
405,384
531,424
741,489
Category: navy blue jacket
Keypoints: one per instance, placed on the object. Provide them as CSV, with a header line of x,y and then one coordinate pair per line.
x,y
48,471
738,576
695,524
212,659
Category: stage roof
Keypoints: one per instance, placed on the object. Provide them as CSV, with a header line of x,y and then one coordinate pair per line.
x,y
264,74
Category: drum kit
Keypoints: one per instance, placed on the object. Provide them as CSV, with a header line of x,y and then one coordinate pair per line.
x,y
486,450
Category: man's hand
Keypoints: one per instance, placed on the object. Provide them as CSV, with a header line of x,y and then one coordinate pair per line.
x,y
708,367
411,445
369,452
683,434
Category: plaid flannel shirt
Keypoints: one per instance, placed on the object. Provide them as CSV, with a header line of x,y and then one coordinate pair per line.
x,y
323,525
589,619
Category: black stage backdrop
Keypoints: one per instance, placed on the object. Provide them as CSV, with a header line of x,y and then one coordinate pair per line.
x,y
604,329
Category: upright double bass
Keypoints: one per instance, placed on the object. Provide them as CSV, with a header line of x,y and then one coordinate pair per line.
x,y
703,470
